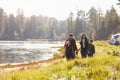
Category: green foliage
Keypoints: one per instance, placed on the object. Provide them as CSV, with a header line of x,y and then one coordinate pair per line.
x,y
70,26
114,53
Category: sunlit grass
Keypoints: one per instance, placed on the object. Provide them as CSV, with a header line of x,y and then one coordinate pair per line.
x,y
105,65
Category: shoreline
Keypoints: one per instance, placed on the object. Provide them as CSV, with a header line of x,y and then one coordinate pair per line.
x,y
12,65
31,64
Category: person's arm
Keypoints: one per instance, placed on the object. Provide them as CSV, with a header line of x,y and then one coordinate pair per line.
x,y
64,49
87,44
93,49
65,44
80,42
75,46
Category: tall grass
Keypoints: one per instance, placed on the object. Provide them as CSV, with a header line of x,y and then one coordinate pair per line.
x,y
103,66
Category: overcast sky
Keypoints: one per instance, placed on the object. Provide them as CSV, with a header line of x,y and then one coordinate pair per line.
x,y
59,9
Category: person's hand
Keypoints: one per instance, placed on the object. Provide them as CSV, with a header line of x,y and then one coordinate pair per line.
x,y
76,52
63,56
87,51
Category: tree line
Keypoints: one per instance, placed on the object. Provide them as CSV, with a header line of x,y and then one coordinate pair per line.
x,y
97,25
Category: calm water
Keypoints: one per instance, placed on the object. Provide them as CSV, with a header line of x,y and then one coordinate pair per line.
x,y
24,51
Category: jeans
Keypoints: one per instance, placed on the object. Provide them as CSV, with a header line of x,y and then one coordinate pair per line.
x,y
90,55
83,53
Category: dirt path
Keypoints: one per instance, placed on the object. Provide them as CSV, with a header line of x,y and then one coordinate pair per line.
x,y
29,65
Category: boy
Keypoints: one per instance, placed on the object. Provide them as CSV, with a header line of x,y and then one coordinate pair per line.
x,y
91,49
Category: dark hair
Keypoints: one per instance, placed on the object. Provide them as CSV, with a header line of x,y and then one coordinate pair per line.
x,y
91,40
82,36
70,34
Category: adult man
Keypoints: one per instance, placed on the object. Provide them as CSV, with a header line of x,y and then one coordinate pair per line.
x,y
70,47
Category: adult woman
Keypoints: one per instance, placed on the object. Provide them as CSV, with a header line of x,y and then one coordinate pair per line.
x,y
84,45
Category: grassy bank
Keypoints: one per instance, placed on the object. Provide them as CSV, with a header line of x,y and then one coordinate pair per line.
x,y
105,65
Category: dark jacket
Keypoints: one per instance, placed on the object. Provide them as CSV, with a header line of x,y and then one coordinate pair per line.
x,y
86,44
70,48
91,49
73,44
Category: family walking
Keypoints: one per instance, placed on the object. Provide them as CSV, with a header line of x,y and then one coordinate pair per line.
x,y
86,49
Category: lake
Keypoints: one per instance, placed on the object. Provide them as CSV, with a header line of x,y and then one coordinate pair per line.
x,y
26,51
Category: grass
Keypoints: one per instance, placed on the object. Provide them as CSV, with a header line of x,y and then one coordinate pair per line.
x,y
105,65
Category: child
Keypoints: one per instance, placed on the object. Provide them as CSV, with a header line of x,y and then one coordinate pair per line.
x,y
91,49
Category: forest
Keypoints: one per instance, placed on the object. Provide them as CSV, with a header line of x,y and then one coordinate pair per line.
x,y
98,25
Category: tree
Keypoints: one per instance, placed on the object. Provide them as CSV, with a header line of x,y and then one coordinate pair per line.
x,y
53,24
61,27
52,34
111,22
1,22
70,23
5,34
80,25
101,32
100,25
20,21
42,27
118,2
9,28
63,36
93,26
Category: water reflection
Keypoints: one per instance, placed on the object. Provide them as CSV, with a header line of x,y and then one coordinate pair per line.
x,y
24,51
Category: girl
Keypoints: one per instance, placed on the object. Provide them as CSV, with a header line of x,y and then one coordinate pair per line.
x,y
84,45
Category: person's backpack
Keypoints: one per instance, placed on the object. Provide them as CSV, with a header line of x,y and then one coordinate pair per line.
x,y
91,49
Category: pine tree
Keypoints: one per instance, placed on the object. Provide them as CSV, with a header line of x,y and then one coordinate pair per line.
x,y
93,23
111,22
1,21
80,23
70,23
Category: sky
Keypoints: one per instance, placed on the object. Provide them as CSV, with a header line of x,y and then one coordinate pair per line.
x,y
59,9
